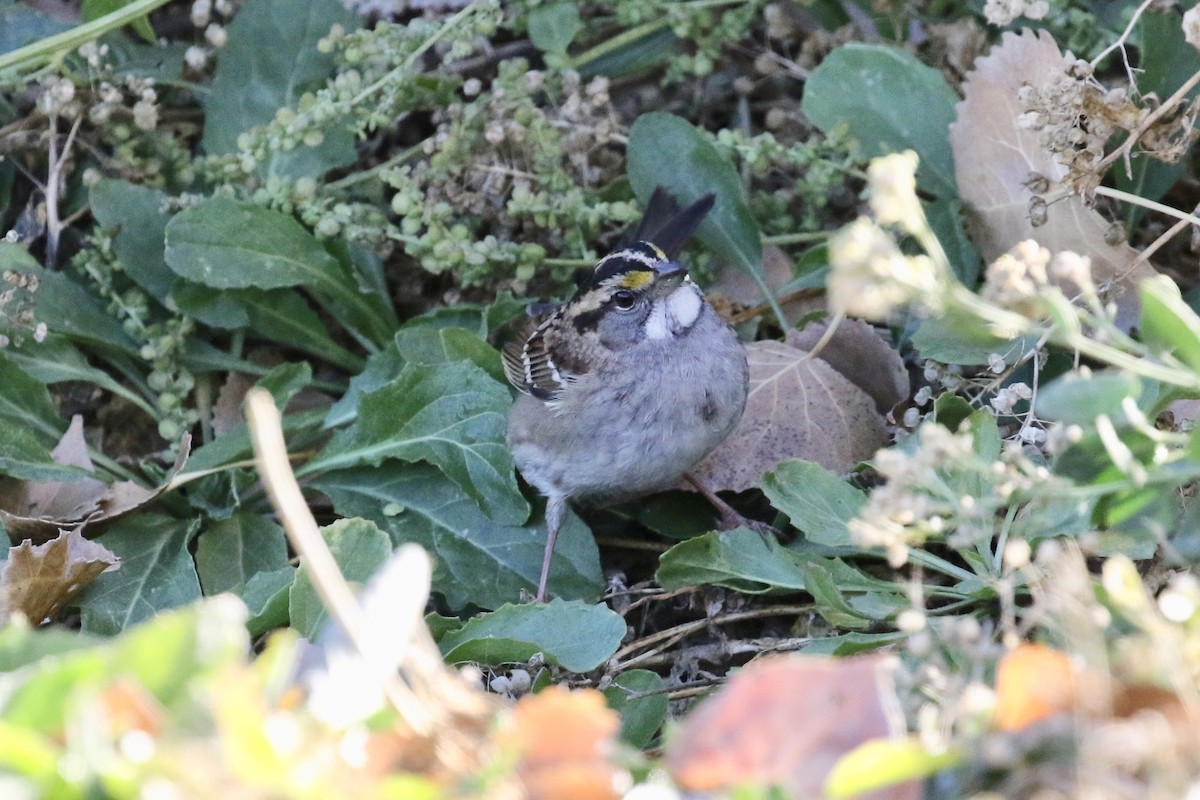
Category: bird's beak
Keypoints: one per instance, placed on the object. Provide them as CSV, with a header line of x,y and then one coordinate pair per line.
x,y
668,277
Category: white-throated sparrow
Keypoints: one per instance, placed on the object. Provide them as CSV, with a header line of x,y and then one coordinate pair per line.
x,y
630,382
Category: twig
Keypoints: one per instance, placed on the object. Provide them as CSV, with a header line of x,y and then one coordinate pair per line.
x,y
1120,42
1168,105
680,631
270,452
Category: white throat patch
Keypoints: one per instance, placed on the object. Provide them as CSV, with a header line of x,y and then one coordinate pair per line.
x,y
675,314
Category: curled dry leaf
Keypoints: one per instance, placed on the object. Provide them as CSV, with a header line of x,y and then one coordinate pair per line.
x,y
565,740
36,511
798,407
995,158
38,580
784,722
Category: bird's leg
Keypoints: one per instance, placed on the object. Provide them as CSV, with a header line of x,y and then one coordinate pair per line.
x,y
730,518
556,509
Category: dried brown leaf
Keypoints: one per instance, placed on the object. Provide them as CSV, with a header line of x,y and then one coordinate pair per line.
x,y
37,511
859,352
38,580
799,407
994,159
784,722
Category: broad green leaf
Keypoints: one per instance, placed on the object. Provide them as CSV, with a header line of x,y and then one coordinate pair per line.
x,y
880,763
818,502
24,456
277,315
359,548
737,559
231,552
477,561
25,404
453,416
1167,322
381,368
156,573
63,305
891,102
1075,400
631,57
954,337
269,62
570,633
831,604
950,410
267,596
231,244
553,27
640,697
423,345
134,217
945,217
668,151
56,360
21,24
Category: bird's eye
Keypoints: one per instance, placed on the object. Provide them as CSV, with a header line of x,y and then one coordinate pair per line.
x,y
624,299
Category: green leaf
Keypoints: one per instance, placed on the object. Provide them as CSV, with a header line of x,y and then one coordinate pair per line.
x,y
424,345
230,244
954,337
476,560
655,46
1167,322
553,27
94,9
1075,400
25,404
668,151
945,217
831,603
20,25
65,306
276,315
640,697
453,416
950,410
156,573
381,369
24,457
891,102
737,559
133,215
270,61
267,597
231,552
359,548
56,360
817,501
849,644
570,633
880,763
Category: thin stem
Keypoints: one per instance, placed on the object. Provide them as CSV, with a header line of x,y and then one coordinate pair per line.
x,y
1150,120
1133,199
52,47
358,177
797,238
1120,42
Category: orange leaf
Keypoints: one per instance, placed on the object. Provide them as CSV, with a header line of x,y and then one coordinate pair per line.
x,y
565,739
1034,683
784,722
